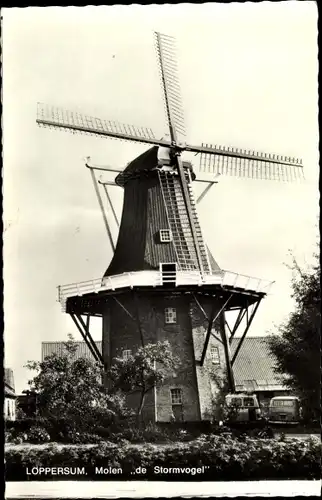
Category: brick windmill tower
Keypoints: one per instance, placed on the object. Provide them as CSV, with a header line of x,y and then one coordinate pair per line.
x,y
163,282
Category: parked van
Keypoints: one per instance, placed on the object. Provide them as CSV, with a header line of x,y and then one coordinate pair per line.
x,y
285,409
242,408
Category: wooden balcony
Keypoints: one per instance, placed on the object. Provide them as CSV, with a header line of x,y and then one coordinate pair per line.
x,y
153,279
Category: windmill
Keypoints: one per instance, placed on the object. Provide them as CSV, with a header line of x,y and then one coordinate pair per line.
x,y
162,282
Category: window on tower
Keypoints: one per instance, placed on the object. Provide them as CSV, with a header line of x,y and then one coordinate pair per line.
x,y
170,315
126,353
176,397
214,355
176,405
165,235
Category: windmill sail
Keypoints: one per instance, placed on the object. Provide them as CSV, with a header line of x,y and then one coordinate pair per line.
x,y
51,116
166,52
193,256
250,164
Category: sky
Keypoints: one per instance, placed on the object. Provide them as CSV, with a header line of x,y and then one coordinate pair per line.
x,y
248,75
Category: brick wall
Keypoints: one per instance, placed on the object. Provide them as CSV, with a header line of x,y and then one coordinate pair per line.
x,y
121,332
208,389
179,336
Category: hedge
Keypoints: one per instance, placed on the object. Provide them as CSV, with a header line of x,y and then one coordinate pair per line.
x,y
210,458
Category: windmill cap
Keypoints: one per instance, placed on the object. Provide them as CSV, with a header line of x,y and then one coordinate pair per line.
x,y
148,161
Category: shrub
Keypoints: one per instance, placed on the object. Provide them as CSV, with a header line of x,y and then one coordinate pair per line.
x,y
9,436
19,438
81,438
24,424
60,430
152,433
38,435
15,436
228,459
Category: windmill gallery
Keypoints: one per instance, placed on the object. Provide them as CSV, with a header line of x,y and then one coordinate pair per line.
x,y
163,282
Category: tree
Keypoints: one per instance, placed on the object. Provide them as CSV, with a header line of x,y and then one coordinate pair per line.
x,y
219,377
296,347
26,405
148,367
71,388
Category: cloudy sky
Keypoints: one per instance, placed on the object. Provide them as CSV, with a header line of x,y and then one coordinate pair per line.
x,y
249,79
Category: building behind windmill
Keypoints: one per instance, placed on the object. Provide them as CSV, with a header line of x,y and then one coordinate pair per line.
x,y
9,395
254,370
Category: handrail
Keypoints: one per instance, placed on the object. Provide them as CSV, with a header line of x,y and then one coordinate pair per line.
x,y
154,278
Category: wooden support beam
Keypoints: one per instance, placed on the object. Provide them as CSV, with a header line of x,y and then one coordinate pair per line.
x,y
87,338
136,304
200,307
212,319
215,337
109,234
90,338
106,168
123,307
88,319
108,183
249,322
204,192
204,180
226,324
137,318
110,203
205,315
239,319
230,374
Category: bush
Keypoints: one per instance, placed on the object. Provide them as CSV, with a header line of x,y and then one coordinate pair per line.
x,y
50,429
24,424
224,457
9,436
74,437
154,433
15,435
148,434
38,435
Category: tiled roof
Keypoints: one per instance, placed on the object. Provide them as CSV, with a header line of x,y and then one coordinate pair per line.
x,y
253,368
48,348
254,363
8,391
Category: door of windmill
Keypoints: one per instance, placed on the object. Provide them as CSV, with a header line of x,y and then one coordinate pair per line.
x,y
168,274
177,412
